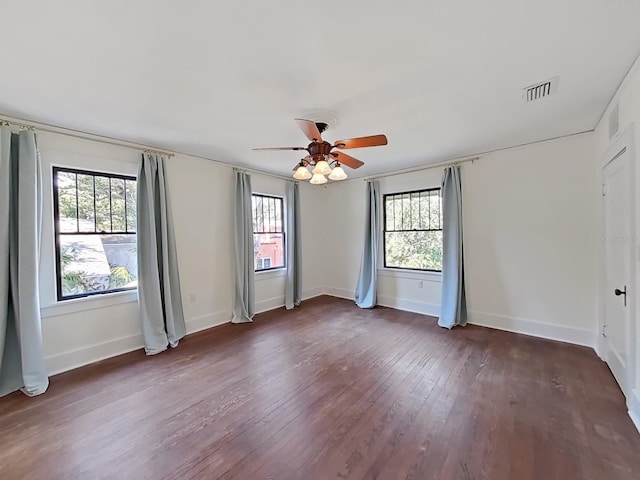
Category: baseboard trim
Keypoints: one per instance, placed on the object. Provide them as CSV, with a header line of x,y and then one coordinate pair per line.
x,y
634,408
533,328
270,304
576,336
80,357
312,293
63,362
340,293
210,320
409,305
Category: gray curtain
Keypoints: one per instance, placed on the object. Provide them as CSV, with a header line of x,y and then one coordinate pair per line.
x,y
366,290
293,286
244,292
21,354
159,295
453,307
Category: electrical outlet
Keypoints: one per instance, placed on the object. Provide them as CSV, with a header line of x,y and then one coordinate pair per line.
x,y
192,297
420,284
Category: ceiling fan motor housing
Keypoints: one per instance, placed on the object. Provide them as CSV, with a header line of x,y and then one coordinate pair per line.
x,y
318,150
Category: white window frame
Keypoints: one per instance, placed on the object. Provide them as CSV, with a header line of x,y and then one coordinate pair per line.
x,y
265,271
53,154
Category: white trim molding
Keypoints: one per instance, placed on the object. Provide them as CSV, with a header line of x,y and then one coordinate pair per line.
x,y
634,408
72,359
270,304
210,320
409,305
340,293
411,274
312,293
562,333
93,302
65,361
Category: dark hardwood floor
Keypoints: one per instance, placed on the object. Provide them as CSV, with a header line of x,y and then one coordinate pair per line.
x,y
329,391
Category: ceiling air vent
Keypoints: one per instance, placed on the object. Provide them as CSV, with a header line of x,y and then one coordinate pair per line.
x,y
540,90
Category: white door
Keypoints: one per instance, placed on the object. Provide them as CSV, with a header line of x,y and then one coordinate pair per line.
x,y
618,241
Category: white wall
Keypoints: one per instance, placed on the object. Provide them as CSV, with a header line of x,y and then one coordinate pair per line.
x,y
78,332
396,288
627,100
530,240
270,284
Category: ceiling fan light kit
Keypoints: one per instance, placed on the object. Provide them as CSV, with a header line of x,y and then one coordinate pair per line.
x,y
321,155
302,173
338,173
318,179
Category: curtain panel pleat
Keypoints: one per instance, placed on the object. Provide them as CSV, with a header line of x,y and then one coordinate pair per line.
x,y
21,352
159,295
453,306
243,249
293,285
366,290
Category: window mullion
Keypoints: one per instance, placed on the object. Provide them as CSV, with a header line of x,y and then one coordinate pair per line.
x,y
126,224
77,206
110,208
95,215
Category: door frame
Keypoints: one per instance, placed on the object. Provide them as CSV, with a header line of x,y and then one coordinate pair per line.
x,y
622,142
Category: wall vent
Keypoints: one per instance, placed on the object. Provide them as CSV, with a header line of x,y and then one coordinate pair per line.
x,y
540,90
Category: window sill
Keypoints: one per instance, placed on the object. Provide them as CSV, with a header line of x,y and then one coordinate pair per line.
x,y
65,307
268,274
410,274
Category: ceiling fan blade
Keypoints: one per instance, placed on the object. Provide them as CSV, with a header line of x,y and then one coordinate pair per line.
x,y
281,148
360,142
310,129
347,160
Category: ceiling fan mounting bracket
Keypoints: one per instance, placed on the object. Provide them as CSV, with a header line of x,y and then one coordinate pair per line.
x,y
322,126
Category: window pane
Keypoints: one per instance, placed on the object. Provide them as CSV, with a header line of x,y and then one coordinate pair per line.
x,y
435,211
278,215
418,250
424,210
406,212
131,198
97,263
268,249
388,212
258,215
118,221
103,208
86,214
67,207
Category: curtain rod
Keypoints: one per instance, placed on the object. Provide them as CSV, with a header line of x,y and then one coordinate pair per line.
x,y
260,172
44,127
6,123
158,152
447,163
120,143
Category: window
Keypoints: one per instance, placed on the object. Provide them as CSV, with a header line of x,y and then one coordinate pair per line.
x,y
95,232
268,232
413,230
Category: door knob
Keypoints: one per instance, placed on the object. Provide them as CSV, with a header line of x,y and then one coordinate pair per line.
x,y
619,292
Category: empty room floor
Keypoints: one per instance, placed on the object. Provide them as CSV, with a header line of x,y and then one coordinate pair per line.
x,y
329,391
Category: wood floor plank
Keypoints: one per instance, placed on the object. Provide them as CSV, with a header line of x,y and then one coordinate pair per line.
x,y
329,391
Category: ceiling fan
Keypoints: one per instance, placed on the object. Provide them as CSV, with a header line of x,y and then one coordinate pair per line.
x,y
321,154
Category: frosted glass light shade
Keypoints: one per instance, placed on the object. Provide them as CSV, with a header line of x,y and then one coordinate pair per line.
x,y
322,168
338,174
302,173
318,179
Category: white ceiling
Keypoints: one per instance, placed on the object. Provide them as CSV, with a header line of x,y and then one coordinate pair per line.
x,y
441,78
